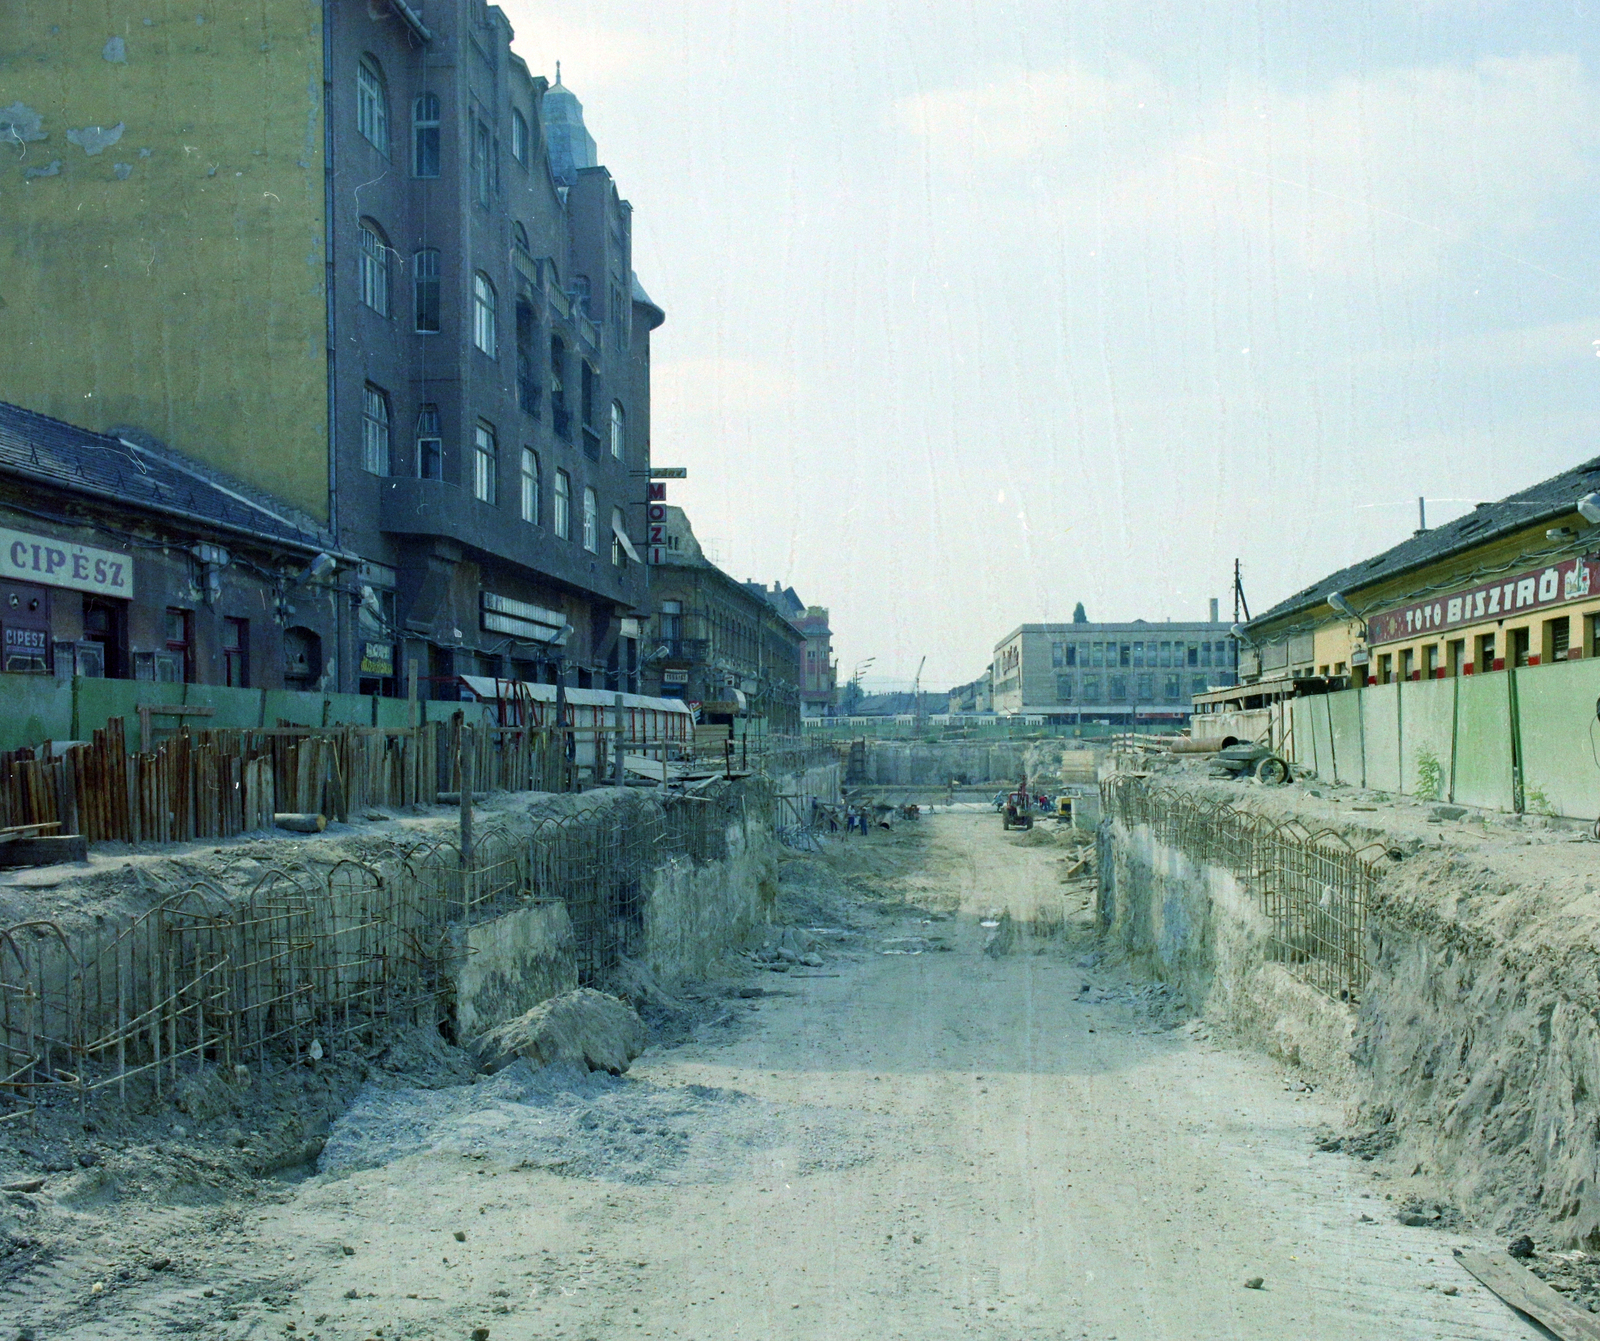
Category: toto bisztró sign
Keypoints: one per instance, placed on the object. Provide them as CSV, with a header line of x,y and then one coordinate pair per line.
x,y
1505,597
61,563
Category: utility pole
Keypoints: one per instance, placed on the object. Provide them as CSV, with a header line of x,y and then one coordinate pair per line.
x,y
1239,601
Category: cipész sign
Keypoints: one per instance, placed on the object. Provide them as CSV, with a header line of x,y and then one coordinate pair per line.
x,y
60,563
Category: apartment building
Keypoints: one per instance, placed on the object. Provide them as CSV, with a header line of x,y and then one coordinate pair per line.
x,y
385,280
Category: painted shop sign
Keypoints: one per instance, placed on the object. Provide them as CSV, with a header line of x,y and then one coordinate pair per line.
x,y
61,563
1506,597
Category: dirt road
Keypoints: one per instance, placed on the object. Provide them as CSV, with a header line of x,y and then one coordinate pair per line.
x,y
938,1133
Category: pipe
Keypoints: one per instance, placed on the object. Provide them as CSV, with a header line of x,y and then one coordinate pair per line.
x,y
413,19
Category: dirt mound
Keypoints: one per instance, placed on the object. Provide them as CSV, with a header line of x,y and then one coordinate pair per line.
x,y
585,1026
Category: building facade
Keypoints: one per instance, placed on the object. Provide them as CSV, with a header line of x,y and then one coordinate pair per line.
x,y
385,280
132,563
1118,673
1512,583
719,643
819,674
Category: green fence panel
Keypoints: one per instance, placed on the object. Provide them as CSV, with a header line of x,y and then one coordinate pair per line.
x,y
294,706
100,700
1483,741
394,712
1380,711
1344,716
229,707
1560,738
34,708
1427,737
349,710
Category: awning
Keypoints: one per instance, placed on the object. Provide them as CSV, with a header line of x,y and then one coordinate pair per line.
x,y
622,539
489,689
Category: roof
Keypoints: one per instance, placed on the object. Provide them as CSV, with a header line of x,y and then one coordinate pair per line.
x,y
1132,626
1551,498
36,447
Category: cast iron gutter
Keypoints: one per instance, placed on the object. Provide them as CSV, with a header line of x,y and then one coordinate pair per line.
x,y
413,19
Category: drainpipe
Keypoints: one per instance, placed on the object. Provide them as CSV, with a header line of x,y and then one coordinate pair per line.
x,y
340,615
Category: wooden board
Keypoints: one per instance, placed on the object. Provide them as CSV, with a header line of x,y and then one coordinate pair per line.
x,y
1526,1293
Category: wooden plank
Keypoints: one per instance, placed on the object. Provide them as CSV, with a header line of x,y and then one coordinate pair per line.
x,y
176,710
1526,1293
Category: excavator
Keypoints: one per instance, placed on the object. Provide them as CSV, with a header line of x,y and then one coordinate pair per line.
x,y
1017,811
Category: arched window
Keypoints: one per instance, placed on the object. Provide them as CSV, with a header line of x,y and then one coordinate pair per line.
x,y
372,104
563,505
483,299
530,485
425,281
425,136
374,268
618,427
374,430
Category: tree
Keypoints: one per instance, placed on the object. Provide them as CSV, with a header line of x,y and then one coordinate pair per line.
x,y
1079,614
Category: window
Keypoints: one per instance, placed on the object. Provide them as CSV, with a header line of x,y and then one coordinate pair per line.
x,y
1072,654
1517,647
1091,688
1557,639
617,429
1169,688
1146,686
558,388
1058,654
425,280
1097,654
236,652
1205,655
591,521
527,383
1118,686
482,166
483,314
425,136
587,388
1138,654
619,321
1197,684
530,485
1485,653
1430,662
374,430
1455,655
1064,689
1385,667
672,620
430,446
1122,659
180,640
519,137
1166,654
563,517
1408,661
374,268
372,104
619,556
484,449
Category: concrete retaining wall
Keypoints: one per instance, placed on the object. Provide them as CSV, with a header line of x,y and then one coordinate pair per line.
x,y
507,966
1192,925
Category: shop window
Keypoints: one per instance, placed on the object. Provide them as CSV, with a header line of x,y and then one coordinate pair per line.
x,y
1455,654
1517,647
180,642
1408,663
104,633
1485,657
1385,667
302,657
236,652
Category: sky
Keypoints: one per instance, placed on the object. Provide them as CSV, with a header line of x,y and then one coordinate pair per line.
x,y
976,311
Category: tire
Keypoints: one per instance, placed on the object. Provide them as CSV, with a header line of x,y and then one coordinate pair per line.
x,y
1272,771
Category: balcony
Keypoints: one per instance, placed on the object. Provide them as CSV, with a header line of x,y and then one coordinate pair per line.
x,y
694,650
591,443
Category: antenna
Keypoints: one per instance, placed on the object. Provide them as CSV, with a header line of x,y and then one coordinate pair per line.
x,y
558,72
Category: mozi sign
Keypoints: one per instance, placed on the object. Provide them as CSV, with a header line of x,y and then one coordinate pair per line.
x,y
1506,597
60,563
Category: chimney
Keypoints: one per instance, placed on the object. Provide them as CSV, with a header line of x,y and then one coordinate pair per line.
x,y
1213,609
1422,517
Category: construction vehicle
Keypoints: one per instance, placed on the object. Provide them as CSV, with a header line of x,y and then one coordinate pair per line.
x,y
1064,809
1017,813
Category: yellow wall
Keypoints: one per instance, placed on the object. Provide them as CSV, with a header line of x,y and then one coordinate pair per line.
x,y
1335,636
182,292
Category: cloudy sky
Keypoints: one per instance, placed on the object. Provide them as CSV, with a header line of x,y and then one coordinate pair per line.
x,y
980,309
